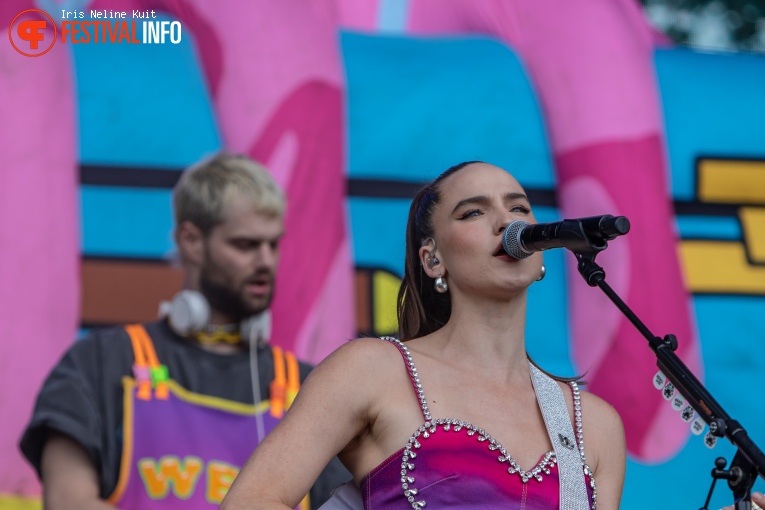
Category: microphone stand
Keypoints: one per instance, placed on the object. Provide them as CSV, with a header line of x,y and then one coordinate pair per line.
x,y
749,460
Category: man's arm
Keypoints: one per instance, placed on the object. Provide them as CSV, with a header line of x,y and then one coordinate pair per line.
x,y
70,481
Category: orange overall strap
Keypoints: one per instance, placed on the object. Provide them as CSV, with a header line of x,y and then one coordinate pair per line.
x,y
157,374
141,365
293,379
286,383
278,387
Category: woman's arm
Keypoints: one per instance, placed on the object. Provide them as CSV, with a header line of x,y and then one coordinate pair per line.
x,y
331,409
605,449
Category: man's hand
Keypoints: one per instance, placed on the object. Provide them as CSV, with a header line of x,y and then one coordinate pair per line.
x,y
758,502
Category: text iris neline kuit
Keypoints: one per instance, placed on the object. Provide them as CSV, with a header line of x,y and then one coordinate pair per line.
x,y
107,14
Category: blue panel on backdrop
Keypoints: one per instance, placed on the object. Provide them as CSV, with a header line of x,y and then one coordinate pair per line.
x,y
731,329
712,105
710,109
417,106
143,104
377,231
709,227
126,222
548,306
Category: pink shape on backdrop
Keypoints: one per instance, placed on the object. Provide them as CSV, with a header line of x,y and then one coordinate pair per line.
x,y
597,319
295,43
287,65
654,290
264,53
211,52
290,85
281,162
39,240
357,15
316,239
591,64
590,61
324,329
9,10
270,49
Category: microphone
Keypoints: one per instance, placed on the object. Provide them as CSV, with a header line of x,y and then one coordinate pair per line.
x,y
521,239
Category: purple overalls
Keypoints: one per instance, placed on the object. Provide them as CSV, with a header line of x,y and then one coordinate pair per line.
x,y
182,450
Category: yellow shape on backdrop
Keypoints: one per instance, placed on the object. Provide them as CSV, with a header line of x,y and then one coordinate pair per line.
x,y
8,502
736,267
721,267
385,293
732,182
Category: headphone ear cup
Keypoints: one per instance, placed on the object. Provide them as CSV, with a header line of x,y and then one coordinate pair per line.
x,y
257,328
188,313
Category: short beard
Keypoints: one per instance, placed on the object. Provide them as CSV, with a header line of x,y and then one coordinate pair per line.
x,y
226,300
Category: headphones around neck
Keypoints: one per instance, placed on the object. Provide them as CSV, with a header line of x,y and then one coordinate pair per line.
x,y
188,313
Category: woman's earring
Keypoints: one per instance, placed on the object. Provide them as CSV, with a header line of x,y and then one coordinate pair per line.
x,y
441,286
542,273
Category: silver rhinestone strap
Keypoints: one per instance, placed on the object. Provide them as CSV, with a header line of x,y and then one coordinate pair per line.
x,y
578,418
580,440
573,491
416,384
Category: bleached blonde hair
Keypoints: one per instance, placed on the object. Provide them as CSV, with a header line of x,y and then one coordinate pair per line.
x,y
201,193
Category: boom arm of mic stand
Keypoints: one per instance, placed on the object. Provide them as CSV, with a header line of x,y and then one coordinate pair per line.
x,y
751,459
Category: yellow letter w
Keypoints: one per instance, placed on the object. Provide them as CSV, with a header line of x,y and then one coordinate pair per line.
x,y
157,476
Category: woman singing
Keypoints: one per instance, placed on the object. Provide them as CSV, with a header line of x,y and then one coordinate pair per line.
x,y
454,415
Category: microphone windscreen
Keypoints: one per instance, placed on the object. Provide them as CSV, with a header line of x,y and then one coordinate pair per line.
x,y
511,240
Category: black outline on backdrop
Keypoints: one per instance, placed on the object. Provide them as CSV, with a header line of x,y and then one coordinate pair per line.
x,y
371,270
166,178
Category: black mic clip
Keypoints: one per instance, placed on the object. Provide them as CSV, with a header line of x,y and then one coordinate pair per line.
x,y
596,231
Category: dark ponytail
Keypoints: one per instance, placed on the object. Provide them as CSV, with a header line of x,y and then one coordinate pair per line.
x,y
422,310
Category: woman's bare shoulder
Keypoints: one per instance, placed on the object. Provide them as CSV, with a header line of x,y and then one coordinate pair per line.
x,y
592,405
605,447
603,434
367,348
600,421
597,411
364,358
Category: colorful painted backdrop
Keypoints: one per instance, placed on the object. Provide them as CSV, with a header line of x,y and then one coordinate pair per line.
x,y
352,105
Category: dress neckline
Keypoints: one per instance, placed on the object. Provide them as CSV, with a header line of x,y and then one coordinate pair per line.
x,y
550,391
430,426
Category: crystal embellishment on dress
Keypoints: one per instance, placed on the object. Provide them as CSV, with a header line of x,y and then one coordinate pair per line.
x,y
566,442
431,426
